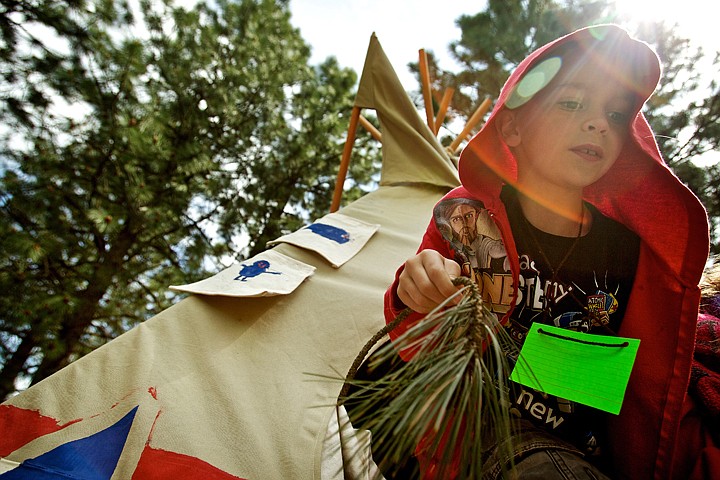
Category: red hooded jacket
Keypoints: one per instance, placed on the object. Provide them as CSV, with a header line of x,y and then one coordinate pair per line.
x,y
641,192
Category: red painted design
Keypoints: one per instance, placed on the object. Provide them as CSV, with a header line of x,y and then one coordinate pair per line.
x,y
157,464
132,392
152,428
20,426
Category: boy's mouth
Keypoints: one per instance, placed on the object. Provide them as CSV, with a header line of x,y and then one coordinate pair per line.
x,y
589,151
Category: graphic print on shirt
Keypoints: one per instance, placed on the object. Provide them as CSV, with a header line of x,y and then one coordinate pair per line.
x,y
585,308
478,247
599,305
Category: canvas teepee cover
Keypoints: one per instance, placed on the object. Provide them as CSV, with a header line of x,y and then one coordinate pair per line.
x,y
218,386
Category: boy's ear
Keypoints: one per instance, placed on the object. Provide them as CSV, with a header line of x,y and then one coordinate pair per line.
x,y
506,125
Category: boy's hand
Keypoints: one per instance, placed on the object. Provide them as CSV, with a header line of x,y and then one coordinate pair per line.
x,y
426,281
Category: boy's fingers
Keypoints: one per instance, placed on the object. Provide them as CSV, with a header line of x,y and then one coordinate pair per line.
x,y
441,272
417,291
453,271
426,281
413,299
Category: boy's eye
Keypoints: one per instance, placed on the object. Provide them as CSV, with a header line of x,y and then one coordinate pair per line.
x,y
571,104
618,117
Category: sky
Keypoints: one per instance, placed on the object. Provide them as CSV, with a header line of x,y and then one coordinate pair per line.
x,y
342,28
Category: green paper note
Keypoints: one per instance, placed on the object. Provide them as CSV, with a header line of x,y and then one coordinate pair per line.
x,y
590,369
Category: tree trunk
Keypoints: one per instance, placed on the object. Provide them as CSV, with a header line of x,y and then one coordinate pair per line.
x,y
15,366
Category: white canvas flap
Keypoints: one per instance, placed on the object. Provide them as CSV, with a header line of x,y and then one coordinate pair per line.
x,y
266,274
336,237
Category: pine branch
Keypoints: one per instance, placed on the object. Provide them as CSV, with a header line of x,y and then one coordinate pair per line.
x,y
450,399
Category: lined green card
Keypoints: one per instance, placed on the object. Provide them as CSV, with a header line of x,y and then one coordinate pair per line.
x,y
590,369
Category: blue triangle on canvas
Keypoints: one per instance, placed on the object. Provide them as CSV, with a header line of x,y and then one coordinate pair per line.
x,y
90,458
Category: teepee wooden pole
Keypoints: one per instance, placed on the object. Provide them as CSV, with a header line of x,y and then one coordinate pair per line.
x,y
427,95
370,128
444,104
345,159
474,120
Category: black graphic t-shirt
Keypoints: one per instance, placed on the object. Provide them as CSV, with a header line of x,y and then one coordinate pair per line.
x,y
588,293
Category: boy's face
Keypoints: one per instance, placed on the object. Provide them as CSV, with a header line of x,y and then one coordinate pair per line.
x,y
572,131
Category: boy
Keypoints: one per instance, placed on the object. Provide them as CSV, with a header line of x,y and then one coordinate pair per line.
x,y
599,236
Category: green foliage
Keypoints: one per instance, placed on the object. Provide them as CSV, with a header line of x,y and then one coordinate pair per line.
x,y
141,147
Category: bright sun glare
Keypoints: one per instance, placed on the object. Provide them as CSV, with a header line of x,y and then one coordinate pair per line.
x,y
692,17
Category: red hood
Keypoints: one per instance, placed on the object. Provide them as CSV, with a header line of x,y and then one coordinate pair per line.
x,y
639,191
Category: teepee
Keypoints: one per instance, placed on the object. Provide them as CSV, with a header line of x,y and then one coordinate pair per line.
x,y
223,385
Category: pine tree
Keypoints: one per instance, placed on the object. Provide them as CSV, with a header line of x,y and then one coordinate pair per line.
x,y
141,149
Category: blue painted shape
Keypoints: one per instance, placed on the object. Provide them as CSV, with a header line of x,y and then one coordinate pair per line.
x,y
90,458
330,232
255,269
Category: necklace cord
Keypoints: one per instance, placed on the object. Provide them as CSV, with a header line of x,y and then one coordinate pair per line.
x,y
555,271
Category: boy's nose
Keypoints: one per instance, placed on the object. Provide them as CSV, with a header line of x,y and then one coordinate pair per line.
x,y
596,123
